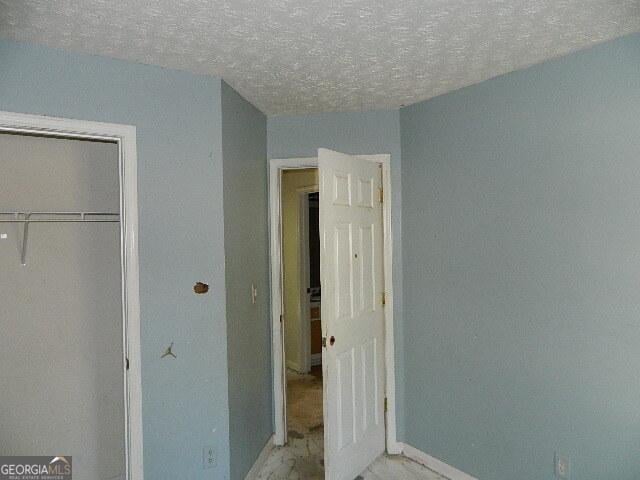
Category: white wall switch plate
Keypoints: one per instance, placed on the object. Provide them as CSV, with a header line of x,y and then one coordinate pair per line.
x,y
562,466
208,457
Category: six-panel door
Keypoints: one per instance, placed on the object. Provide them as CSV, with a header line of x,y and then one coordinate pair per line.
x,y
352,280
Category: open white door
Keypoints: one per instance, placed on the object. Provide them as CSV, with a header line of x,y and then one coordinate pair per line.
x,y
352,279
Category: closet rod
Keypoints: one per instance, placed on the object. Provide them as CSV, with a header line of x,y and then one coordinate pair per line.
x,y
28,217
31,217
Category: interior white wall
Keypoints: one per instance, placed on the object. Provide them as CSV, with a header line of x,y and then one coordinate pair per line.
x,y
521,234
61,314
178,116
246,267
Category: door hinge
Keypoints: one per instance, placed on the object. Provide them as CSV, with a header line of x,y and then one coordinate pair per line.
x,y
126,362
280,318
381,195
386,407
384,298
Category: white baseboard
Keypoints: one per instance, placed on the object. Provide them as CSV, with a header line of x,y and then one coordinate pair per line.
x,y
316,359
408,451
262,458
291,365
434,464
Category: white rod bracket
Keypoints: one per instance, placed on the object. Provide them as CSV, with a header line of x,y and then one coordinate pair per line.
x,y
25,237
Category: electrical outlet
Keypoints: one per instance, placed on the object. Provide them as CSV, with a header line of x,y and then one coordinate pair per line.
x,y
562,466
208,457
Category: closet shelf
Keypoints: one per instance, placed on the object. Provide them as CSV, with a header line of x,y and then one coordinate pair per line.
x,y
53,217
21,217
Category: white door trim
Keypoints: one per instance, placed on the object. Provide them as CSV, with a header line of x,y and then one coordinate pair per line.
x,y
279,375
303,263
125,137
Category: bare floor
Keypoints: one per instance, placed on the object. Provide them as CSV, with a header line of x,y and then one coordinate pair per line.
x,y
302,458
304,402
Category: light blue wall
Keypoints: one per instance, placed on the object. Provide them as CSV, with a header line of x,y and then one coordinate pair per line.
x,y
178,120
521,241
357,133
244,146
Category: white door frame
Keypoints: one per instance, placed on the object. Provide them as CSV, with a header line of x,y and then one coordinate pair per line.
x,y
303,263
125,137
276,166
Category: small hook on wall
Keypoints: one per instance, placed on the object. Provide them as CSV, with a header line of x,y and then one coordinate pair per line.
x,y
168,352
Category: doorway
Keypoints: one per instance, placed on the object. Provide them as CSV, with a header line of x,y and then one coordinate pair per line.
x,y
301,321
380,182
69,243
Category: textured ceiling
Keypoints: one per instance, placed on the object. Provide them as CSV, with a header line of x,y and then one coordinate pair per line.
x,y
298,56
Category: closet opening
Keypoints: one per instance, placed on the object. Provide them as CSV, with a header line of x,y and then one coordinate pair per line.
x,y
69,295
